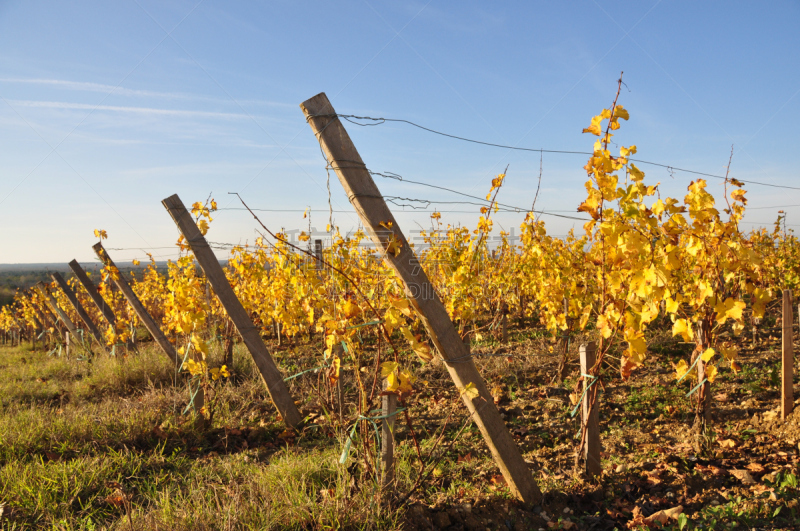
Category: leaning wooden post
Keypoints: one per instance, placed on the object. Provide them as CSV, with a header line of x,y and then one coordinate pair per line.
x,y
137,306
389,413
44,318
590,412
76,304
384,230
787,374
91,289
71,329
273,378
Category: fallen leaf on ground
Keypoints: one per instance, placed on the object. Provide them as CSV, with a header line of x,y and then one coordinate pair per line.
x,y
116,499
744,476
497,479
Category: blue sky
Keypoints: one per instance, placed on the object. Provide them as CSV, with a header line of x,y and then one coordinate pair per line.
x,y
107,108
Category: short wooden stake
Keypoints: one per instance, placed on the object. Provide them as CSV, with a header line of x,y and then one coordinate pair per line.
x,y
787,372
78,307
67,344
276,386
318,253
389,412
91,289
385,232
138,308
590,413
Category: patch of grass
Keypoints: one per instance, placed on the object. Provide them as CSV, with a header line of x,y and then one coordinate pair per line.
x,y
654,400
103,445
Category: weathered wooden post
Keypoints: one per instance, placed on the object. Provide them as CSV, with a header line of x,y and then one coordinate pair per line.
x,y
270,373
158,335
590,412
389,412
91,289
149,323
76,304
66,344
384,230
71,328
787,372
44,318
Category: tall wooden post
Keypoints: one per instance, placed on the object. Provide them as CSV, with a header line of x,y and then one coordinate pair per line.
x,y
76,304
158,336
384,230
91,289
138,307
278,390
787,372
590,413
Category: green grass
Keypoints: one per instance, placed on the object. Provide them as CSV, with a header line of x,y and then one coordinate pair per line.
x,y
102,445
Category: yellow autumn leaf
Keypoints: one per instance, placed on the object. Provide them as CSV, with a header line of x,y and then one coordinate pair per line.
x,y
351,309
585,314
333,373
682,327
402,305
470,391
388,367
729,309
711,373
729,353
394,246
604,326
680,369
636,174
203,226
708,354
200,345
760,299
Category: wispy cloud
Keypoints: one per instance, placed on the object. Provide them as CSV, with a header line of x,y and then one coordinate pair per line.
x,y
86,86
124,109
